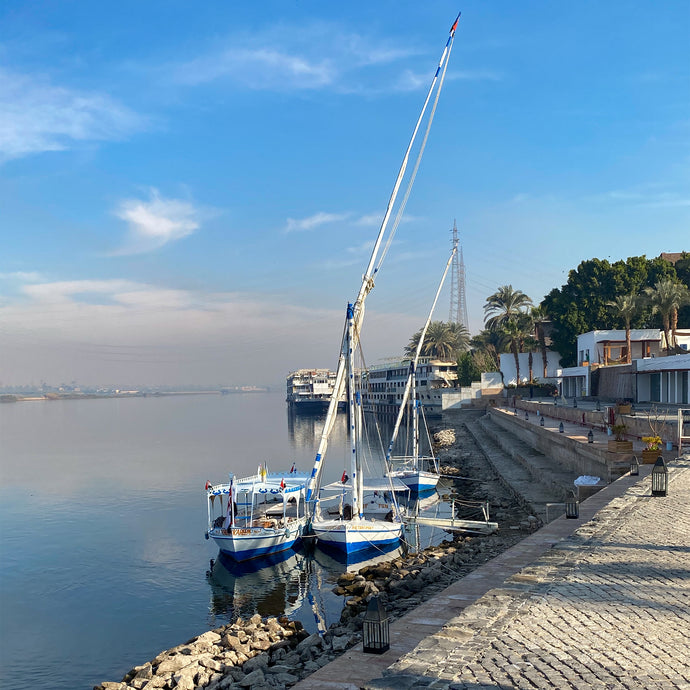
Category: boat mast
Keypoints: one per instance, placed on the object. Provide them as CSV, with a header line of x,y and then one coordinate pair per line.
x,y
410,384
368,281
352,414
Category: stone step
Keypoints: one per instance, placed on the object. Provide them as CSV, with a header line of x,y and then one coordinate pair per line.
x,y
542,468
514,474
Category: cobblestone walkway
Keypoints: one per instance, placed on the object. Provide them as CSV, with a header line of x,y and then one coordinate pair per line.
x,y
607,608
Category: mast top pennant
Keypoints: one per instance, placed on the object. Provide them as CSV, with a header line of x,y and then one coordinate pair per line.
x,y
455,24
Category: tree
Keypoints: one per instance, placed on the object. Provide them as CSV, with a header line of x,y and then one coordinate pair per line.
x,y
504,305
468,369
666,298
490,342
540,319
443,340
626,307
580,305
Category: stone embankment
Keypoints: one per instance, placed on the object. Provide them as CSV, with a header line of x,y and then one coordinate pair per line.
x,y
277,653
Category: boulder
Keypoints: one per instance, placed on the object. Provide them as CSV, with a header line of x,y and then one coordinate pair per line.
x,y
252,679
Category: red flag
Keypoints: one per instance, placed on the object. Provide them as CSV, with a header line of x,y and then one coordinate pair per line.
x,y
455,25
282,483
343,479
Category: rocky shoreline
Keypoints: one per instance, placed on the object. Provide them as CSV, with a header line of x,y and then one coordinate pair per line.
x,y
277,653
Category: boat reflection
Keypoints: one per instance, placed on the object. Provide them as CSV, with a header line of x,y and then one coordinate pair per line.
x,y
275,586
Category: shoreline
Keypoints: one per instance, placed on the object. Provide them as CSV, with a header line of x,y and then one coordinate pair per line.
x,y
402,584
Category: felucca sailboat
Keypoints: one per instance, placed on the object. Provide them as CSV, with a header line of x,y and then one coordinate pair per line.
x,y
353,531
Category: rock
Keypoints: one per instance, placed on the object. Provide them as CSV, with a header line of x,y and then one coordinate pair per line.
x,y
340,644
260,661
172,664
251,679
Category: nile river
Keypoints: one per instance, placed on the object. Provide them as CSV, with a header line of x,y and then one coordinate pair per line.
x,y
103,561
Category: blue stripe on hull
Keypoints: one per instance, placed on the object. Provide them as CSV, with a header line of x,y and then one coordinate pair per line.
x,y
248,554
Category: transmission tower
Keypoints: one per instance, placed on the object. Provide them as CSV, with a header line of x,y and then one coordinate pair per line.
x,y
458,303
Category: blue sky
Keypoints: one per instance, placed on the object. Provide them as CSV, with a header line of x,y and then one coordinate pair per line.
x,y
189,191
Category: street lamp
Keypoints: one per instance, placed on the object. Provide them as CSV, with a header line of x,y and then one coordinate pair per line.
x,y
590,437
560,428
375,629
659,478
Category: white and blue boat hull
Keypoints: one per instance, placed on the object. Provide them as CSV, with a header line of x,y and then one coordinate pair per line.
x,y
243,544
350,536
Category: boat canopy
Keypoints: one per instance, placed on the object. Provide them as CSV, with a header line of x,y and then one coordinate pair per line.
x,y
272,488
371,484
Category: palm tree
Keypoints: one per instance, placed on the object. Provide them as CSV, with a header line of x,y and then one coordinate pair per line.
x,y
667,297
627,307
442,340
492,342
505,304
540,319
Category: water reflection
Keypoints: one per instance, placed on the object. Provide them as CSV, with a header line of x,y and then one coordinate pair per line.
x,y
271,587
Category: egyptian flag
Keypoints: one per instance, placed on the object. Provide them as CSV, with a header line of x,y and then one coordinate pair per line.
x,y
293,469
455,24
344,478
282,484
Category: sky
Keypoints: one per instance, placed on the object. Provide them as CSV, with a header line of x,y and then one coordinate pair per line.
x,y
189,192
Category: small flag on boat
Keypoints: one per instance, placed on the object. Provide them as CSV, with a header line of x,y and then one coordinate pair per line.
x,y
282,483
344,478
293,469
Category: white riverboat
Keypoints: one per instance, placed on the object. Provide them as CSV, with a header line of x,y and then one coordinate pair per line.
x,y
310,390
257,516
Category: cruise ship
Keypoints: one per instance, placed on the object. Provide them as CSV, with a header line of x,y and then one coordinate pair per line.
x,y
386,384
309,390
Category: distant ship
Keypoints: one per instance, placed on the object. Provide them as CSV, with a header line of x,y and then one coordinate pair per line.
x,y
310,390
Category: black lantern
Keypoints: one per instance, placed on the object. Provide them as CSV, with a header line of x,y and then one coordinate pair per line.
x,y
560,428
572,507
574,402
634,467
541,420
375,629
526,415
598,406
590,437
515,411
659,478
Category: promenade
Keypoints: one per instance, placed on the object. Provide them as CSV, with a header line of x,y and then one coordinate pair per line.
x,y
598,602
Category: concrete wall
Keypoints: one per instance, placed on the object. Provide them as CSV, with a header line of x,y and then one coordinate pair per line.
x,y
508,366
616,382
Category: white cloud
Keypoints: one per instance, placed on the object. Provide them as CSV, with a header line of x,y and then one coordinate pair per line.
x,y
315,56
22,276
36,116
156,222
314,221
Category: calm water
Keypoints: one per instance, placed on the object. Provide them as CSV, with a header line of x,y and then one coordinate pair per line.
x,y
103,561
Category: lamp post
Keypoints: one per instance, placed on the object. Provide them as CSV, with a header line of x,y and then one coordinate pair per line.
x,y
659,478
560,428
634,467
375,628
590,437
572,507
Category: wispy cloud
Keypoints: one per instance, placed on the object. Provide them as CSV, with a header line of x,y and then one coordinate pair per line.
x,y
37,116
155,223
314,221
22,276
315,56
